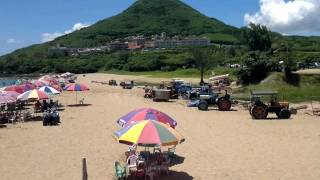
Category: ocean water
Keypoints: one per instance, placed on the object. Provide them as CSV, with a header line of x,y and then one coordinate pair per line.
x,y
7,82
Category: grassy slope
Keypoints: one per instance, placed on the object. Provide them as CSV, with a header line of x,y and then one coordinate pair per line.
x,y
308,89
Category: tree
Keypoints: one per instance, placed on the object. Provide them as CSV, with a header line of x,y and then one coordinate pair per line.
x,y
205,58
256,67
257,37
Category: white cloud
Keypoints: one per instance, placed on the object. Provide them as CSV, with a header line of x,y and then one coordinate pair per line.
x,y
51,36
288,17
11,41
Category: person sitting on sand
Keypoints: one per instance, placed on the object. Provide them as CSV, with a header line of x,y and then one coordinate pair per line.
x,y
37,106
44,105
51,103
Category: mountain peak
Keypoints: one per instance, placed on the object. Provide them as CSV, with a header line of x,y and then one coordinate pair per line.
x,y
149,17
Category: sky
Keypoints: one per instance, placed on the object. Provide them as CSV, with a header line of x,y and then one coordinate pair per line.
x,y
26,22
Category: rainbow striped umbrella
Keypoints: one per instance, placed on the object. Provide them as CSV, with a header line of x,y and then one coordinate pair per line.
x,y
144,114
148,133
33,95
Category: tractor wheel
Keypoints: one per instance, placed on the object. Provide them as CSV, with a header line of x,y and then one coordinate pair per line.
x,y
224,104
259,112
284,114
203,106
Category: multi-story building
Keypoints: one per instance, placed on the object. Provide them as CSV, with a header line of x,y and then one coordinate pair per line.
x,y
194,42
118,46
167,44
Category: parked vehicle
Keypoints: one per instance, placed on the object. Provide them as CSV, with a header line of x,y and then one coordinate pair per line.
x,y
260,110
127,84
209,98
161,95
113,82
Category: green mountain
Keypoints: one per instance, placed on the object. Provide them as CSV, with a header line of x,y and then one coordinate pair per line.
x,y
144,17
149,17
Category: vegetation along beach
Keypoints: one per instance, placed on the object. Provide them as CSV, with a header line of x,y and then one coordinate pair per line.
x,y
160,89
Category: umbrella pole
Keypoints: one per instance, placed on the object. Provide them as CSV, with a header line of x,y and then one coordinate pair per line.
x,y
76,97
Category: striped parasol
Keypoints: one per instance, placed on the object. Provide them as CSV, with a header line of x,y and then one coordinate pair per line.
x,y
76,87
33,95
148,133
144,114
49,90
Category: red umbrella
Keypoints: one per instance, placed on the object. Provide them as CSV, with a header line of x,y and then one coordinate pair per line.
x,y
27,87
18,89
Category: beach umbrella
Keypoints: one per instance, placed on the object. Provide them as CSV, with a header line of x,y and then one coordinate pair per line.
x,y
148,133
18,89
144,114
49,90
76,87
49,79
57,87
38,83
33,95
27,87
12,94
8,97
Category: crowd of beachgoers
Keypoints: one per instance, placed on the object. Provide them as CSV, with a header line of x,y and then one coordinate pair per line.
x,y
28,99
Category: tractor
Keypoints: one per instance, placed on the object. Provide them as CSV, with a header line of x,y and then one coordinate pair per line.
x,y
260,110
209,98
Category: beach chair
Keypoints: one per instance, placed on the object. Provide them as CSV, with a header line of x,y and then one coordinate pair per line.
x,y
132,163
120,171
12,118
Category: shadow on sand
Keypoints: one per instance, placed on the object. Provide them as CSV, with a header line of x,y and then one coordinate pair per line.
x,y
3,126
34,119
173,175
176,160
79,105
272,119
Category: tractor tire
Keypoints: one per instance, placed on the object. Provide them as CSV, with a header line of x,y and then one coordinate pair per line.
x,y
224,104
259,112
203,106
284,114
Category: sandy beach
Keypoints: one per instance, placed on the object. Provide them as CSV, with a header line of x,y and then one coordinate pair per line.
x,y
219,145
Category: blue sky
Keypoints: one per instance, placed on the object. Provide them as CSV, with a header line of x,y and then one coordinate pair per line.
x,y
23,22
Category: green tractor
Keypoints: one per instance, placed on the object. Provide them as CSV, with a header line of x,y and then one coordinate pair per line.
x,y
260,110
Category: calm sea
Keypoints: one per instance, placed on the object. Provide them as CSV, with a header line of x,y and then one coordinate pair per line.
x,y
7,81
